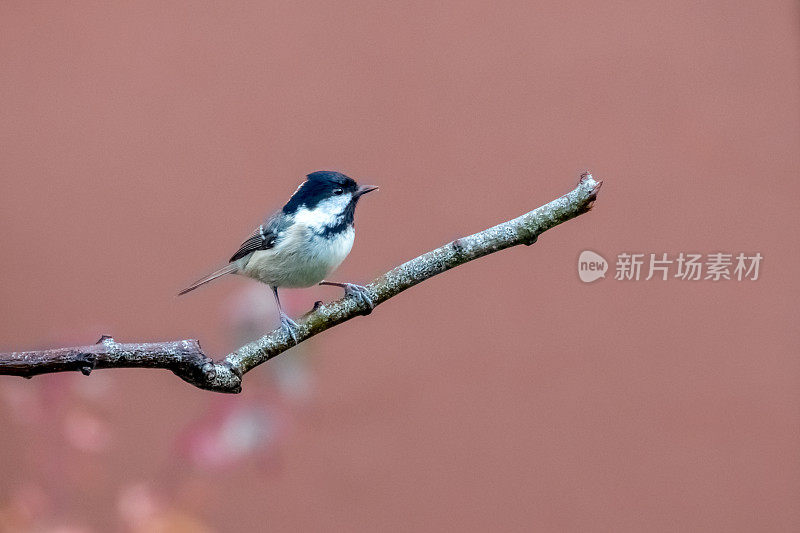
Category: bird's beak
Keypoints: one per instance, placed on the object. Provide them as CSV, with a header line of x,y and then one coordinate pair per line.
x,y
364,189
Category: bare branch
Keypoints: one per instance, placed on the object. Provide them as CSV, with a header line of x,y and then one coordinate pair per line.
x,y
187,360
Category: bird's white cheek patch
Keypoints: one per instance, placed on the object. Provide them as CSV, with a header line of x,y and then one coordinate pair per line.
x,y
326,213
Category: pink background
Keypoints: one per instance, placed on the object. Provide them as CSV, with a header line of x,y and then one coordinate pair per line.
x,y
141,141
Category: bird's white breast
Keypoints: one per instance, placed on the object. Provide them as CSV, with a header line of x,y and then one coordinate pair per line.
x,y
300,258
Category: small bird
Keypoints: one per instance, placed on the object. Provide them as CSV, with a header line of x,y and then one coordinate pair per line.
x,y
300,245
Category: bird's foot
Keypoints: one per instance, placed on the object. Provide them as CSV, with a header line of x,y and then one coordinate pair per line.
x,y
361,294
289,326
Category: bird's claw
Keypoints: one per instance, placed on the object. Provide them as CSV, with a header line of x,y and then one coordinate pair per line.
x,y
289,326
361,294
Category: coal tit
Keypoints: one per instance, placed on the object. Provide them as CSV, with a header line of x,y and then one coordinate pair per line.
x,y
300,245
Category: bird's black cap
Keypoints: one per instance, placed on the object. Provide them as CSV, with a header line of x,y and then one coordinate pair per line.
x,y
331,176
318,186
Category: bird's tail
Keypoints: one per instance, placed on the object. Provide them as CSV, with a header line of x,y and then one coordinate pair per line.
x,y
228,269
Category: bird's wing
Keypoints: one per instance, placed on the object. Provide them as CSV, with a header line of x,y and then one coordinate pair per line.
x,y
262,238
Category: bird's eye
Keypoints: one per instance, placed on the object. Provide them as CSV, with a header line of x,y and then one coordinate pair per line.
x,y
337,191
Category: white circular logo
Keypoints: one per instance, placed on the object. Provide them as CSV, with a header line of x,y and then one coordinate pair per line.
x,y
591,266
